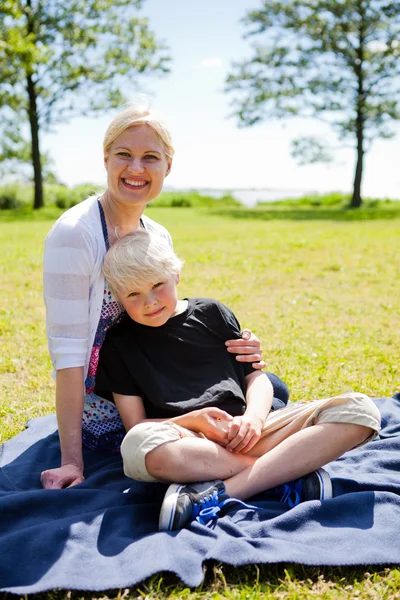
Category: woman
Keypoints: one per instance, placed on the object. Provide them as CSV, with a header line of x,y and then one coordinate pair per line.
x,y
80,308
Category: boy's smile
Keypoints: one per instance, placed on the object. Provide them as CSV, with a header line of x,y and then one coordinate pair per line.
x,y
153,304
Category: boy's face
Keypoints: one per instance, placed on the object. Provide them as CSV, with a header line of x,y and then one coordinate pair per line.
x,y
152,304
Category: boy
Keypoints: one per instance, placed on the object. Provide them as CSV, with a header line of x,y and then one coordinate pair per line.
x,y
196,416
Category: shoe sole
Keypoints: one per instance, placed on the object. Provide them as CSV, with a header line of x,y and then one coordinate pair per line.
x,y
325,483
168,507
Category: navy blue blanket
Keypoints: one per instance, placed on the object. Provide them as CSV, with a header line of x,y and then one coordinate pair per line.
x,y
103,533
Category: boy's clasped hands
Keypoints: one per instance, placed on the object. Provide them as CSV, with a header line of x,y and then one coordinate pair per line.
x,y
236,434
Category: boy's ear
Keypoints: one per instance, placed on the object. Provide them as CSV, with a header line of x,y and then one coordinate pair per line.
x,y
177,278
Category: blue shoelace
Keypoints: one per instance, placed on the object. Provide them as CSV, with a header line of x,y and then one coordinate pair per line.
x,y
292,492
207,511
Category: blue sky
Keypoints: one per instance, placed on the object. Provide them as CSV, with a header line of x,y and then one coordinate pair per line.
x,y
204,38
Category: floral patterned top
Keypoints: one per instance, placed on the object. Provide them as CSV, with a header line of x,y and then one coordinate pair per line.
x,y
102,427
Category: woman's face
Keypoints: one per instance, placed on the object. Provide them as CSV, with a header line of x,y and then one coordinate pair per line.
x,y
136,165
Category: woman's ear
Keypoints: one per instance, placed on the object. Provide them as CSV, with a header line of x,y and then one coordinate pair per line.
x,y
167,172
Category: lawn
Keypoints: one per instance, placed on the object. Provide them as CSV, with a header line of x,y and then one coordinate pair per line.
x,y
322,293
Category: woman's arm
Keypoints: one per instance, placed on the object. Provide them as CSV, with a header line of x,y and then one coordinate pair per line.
x,y
69,408
69,259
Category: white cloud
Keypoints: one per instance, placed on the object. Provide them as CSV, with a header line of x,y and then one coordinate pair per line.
x,y
211,63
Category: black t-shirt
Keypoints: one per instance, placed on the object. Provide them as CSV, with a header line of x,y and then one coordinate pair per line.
x,y
178,367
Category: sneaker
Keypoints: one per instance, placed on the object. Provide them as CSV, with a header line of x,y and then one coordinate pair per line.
x,y
201,501
314,486
317,486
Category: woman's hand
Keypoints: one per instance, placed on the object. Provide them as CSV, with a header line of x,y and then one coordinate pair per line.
x,y
248,349
244,433
212,422
62,477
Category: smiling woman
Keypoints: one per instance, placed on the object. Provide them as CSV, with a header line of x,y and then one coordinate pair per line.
x,y
80,307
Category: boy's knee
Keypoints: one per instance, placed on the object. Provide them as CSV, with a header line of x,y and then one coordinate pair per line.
x,y
358,410
138,445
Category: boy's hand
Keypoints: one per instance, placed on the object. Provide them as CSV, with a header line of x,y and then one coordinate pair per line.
x,y
63,477
248,349
244,433
212,422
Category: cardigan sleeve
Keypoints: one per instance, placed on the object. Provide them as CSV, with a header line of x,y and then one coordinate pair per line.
x,y
69,260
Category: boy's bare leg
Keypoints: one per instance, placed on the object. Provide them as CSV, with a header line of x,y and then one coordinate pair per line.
x,y
194,459
299,454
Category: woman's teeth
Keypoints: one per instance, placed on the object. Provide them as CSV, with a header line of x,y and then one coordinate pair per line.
x,y
135,183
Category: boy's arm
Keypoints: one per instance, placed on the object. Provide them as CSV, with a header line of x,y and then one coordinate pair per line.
x,y
130,408
206,420
245,431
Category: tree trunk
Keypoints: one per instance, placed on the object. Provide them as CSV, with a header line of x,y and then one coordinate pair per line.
x,y
356,199
34,124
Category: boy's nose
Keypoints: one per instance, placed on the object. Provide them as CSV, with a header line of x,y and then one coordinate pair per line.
x,y
150,299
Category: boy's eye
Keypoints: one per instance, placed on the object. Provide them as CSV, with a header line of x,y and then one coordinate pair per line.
x,y
132,294
157,285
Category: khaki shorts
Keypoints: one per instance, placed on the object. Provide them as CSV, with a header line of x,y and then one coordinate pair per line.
x,y
354,408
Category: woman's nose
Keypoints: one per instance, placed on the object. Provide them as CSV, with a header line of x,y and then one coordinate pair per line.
x,y
136,165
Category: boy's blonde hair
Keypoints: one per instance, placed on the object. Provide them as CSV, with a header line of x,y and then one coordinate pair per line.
x,y
136,114
137,259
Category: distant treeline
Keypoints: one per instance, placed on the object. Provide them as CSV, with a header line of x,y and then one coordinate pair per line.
x,y
17,196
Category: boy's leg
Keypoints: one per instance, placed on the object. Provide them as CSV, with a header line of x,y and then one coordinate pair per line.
x,y
296,442
299,454
166,452
194,459
303,438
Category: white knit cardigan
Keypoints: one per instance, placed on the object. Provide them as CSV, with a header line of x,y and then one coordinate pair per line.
x,y
73,282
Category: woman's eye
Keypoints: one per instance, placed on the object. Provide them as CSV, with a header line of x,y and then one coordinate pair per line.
x,y
151,157
123,154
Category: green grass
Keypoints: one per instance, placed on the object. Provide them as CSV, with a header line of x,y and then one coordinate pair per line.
x,y
323,296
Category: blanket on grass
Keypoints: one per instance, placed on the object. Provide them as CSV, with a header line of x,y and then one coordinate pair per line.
x,y
103,533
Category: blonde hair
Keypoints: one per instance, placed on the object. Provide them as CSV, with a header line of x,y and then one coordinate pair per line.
x,y
135,114
139,258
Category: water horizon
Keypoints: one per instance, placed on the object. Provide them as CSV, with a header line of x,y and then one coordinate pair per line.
x,y
249,196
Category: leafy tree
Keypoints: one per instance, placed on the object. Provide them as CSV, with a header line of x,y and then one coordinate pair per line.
x,y
60,58
334,59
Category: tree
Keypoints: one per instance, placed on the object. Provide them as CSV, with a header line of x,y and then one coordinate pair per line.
x,y
60,58
334,59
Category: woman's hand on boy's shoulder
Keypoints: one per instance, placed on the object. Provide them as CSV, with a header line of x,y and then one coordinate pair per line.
x,y
62,477
248,349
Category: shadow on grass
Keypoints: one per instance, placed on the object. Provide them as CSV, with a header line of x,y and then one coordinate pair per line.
x,y
312,214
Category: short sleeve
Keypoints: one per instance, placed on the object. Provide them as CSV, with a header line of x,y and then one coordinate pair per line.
x,y
233,331
112,373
